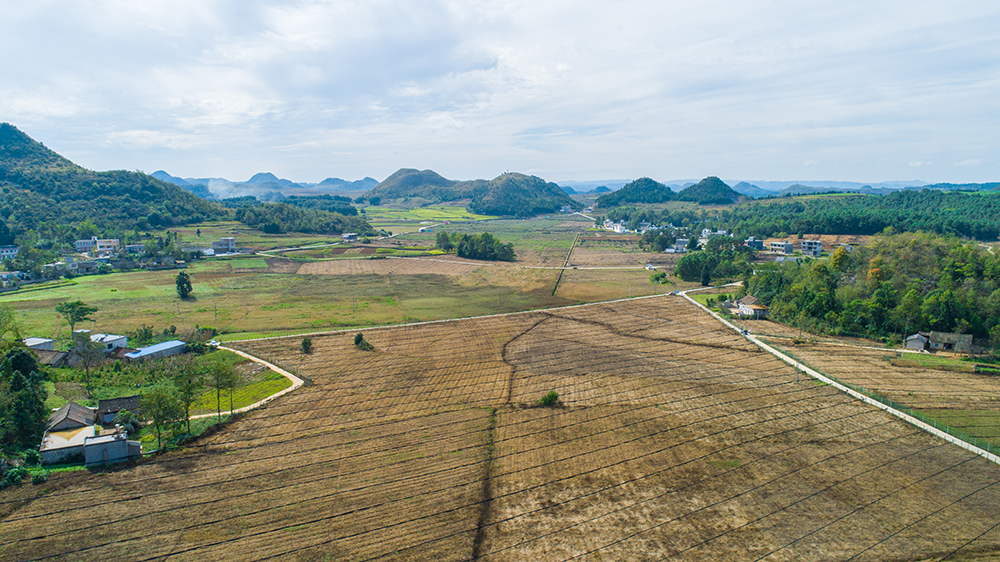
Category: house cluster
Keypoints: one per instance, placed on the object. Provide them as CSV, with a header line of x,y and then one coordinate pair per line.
x,y
940,341
77,432
747,307
114,347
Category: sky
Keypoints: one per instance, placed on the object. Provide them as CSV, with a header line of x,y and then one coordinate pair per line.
x,y
565,90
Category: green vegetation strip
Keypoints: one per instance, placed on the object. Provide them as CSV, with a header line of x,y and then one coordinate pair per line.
x,y
243,397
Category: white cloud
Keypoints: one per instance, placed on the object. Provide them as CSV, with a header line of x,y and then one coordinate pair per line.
x,y
570,89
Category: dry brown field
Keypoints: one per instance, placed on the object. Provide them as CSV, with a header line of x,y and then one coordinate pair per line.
x,y
674,439
449,265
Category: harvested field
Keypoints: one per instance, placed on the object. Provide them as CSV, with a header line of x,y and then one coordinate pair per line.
x,y
452,266
673,439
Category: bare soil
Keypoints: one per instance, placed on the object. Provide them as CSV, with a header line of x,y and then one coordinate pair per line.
x,y
673,439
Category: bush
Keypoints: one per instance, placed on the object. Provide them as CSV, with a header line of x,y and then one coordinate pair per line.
x,y
550,399
307,345
14,476
360,343
31,456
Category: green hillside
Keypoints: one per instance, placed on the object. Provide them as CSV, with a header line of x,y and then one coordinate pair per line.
x,y
428,184
642,190
518,195
709,191
39,187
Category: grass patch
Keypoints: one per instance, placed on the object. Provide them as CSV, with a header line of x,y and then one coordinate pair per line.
x,y
980,424
726,464
243,397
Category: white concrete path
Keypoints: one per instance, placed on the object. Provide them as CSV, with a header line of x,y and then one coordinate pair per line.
x,y
296,382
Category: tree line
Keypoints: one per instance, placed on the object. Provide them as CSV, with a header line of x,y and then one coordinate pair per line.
x,y
483,246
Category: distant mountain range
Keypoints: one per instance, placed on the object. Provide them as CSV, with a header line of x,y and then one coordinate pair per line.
x,y
265,186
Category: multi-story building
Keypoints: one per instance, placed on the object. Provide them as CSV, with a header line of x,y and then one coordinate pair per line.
x,y
782,247
811,247
97,245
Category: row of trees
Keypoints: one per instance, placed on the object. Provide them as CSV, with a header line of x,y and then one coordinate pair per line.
x,y
893,286
276,218
483,246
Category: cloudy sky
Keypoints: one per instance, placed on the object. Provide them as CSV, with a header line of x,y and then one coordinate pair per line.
x,y
770,90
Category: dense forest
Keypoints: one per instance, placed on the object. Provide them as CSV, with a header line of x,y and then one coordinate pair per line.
x,y
278,218
895,285
483,246
642,190
325,202
518,195
972,215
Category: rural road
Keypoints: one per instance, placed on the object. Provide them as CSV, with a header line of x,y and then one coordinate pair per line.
x,y
296,382
853,393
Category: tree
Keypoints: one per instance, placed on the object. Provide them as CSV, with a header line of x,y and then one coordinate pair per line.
x,y
307,345
706,276
9,323
184,287
75,312
91,354
188,381
692,244
444,241
22,399
161,406
222,377
360,343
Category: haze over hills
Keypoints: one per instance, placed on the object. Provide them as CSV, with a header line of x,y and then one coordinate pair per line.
x,y
265,186
42,188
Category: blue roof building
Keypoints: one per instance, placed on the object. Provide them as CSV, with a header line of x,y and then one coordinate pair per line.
x,y
157,351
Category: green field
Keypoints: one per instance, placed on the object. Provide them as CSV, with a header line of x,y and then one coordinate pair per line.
x,y
434,213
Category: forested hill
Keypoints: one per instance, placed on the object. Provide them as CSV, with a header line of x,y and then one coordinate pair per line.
x,y
642,190
709,191
973,215
39,186
428,184
519,195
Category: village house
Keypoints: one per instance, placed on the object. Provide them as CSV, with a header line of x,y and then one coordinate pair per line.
x,y
109,342
97,246
939,341
782,247
749,308
811,247
754,243
108,409
224,246
66,433
8,252
349,237
40,344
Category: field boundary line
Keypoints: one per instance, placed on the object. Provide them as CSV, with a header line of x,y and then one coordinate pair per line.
x,y
443,320
296,383
850,391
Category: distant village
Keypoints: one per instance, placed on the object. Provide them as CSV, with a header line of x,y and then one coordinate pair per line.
x,y
104,255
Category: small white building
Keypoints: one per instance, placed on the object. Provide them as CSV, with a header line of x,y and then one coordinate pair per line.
x,y
349,236
110,342
41,344
8,252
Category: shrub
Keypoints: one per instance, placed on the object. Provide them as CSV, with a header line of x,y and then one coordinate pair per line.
x,y
360,343
307,345
13,476
31,456
550,399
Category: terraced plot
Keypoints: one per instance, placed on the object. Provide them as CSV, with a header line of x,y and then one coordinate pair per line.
x,y
674,440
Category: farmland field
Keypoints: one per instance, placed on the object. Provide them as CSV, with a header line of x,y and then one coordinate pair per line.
x,y
673,439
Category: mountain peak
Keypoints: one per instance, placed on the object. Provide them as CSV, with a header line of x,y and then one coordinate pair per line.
x,y
262,177
17,149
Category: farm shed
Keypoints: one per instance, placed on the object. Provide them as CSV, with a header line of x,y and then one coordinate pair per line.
x,y
157,351
40,344
106,449
107,409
